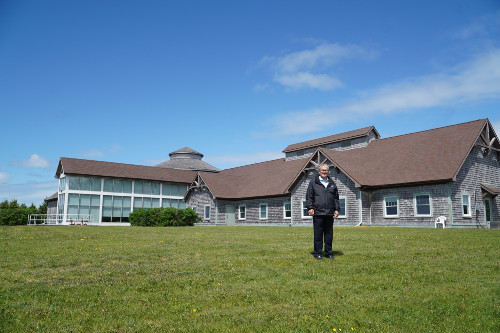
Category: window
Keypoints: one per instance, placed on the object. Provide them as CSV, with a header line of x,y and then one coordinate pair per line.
x,y
83,207
117,185
287,210
62,184
84,183
175,203
342,212
242,212
263,211
173,190
116,208
466,205
423,204
207,212
391,206
305,214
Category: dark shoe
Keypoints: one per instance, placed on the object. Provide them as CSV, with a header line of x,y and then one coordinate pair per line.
x,y
317,256
330,256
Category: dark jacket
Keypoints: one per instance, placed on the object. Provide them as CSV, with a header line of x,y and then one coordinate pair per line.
x,y
324,201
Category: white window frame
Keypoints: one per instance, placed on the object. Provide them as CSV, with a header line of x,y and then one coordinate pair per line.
x,y
239,212
415,204
260,210
397,206
302,207
284,210
345,207
205,217
468,204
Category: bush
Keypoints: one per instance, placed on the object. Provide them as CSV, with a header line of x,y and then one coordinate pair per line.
x,y
11,213
163,217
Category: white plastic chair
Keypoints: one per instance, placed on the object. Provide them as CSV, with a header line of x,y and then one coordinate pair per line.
x,y
440,220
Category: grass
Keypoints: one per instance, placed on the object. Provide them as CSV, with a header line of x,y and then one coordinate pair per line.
x,y
247,279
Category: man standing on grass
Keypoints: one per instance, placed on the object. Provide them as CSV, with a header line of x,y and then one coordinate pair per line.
x,y
322,203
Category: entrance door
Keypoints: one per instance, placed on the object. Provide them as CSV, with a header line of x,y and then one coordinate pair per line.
x,y
230,214
487,211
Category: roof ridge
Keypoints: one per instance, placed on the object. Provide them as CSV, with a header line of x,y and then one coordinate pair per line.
x,y
246,165
430,129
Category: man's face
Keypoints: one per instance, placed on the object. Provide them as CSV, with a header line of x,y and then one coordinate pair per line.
x,y
323,172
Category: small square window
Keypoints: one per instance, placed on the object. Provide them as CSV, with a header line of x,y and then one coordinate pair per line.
x,y
391,206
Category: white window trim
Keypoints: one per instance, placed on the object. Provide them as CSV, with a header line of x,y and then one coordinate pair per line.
x,y
284,211
302,206
415,205
239,212
267,212
345,200
205,212
397,206
468,204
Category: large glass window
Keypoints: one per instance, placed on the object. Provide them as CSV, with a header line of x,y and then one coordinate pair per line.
x,y
141,187
62,184
391,206
170,189
117,185
423,204
81,183
115,208
175,203
83,207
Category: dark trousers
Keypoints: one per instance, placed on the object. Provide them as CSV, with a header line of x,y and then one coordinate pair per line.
x,y
323,228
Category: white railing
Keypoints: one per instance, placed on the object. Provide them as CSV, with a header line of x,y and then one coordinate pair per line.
x,y
58,219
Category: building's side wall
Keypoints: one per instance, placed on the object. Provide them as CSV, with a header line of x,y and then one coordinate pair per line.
x,y
476,170
406,205
200,198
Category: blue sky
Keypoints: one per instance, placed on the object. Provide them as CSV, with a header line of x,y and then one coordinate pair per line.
x,y
131,81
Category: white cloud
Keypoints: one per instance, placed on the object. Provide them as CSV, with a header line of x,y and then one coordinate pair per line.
x,y
471,81
92,153
34,161
312,68
308,80
95,153
28,193
226,161
4,177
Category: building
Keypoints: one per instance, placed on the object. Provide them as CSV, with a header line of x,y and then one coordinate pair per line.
x,y
407,180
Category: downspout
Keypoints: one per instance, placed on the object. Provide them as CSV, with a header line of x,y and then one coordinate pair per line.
x,y
450,204
360,208
216,212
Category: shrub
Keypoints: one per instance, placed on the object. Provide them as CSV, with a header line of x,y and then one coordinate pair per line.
x,y
163,217
11,213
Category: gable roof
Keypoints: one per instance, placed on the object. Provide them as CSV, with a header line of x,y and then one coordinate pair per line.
x,y
434,155
266,179
332,139
77,166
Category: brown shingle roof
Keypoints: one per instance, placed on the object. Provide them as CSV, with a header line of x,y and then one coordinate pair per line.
x,y
331,139
77,166
429,156
264,179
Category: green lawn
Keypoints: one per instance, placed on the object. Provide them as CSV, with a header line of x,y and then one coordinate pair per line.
x,y
247,279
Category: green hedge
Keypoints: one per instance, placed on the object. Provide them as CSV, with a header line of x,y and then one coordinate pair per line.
x,y
11,213
163,217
